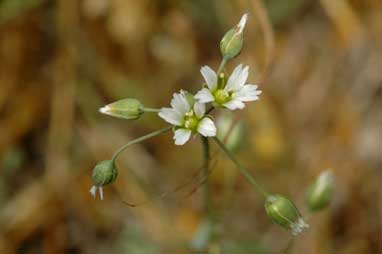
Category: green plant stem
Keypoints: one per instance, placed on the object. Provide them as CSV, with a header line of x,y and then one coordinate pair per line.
x,y
138,140
206,186
242,169
154,110
222,65
288,247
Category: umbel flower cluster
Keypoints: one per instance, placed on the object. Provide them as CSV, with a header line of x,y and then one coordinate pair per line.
x,y
189,115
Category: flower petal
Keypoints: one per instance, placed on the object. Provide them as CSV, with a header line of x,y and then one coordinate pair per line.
x,y
200,109
232,80
239,81
204,96
242,22
248,93
180,103
100,189
242,78
234,104
209,76
207,127
181,136
93,191
171,116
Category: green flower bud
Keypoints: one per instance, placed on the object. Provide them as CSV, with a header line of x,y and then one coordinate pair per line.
x,y
104,173
232,42
284,213
320,193
235,139
126,109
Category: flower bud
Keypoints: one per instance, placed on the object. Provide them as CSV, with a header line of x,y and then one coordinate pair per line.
x,y
232,42
284,213
104,173
320,193
235,139
128,108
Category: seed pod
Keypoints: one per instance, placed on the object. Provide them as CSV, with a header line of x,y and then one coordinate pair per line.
x,y
104,173
320,193
128,108
232,42
283,212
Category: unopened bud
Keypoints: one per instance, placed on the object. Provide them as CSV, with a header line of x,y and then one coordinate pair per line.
x,y
232,42
283,212
320,193
126,109
104,173
235,138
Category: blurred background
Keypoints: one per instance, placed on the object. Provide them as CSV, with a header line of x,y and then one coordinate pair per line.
x,y
319,65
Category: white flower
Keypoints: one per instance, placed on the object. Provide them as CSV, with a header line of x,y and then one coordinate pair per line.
x,y
188,117
231,94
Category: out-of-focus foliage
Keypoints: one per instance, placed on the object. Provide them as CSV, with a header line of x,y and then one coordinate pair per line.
x,y
60,61
12,8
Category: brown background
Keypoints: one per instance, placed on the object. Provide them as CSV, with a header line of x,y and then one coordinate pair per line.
x,y
320,108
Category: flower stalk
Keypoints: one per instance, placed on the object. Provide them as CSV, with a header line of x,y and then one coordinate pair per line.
x,y
138,140
222,65
242,169
151,110
206,169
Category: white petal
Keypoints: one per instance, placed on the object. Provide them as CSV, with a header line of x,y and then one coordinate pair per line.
x,y
242,78
242,22
171,116
200,109
93,191
100,189
209,76
204,96
234,104
181,136
248,93
179,103
232,80
207,127
104,110
239,82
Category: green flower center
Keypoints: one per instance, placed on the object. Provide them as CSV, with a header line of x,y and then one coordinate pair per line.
x,y
222,96
191,121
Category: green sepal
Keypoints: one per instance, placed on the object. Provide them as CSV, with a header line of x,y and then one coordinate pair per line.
x,y
105,172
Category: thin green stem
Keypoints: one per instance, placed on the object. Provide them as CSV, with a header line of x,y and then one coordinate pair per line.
x,y
155,110
242,169
288,247
138,140
222,64
206,165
